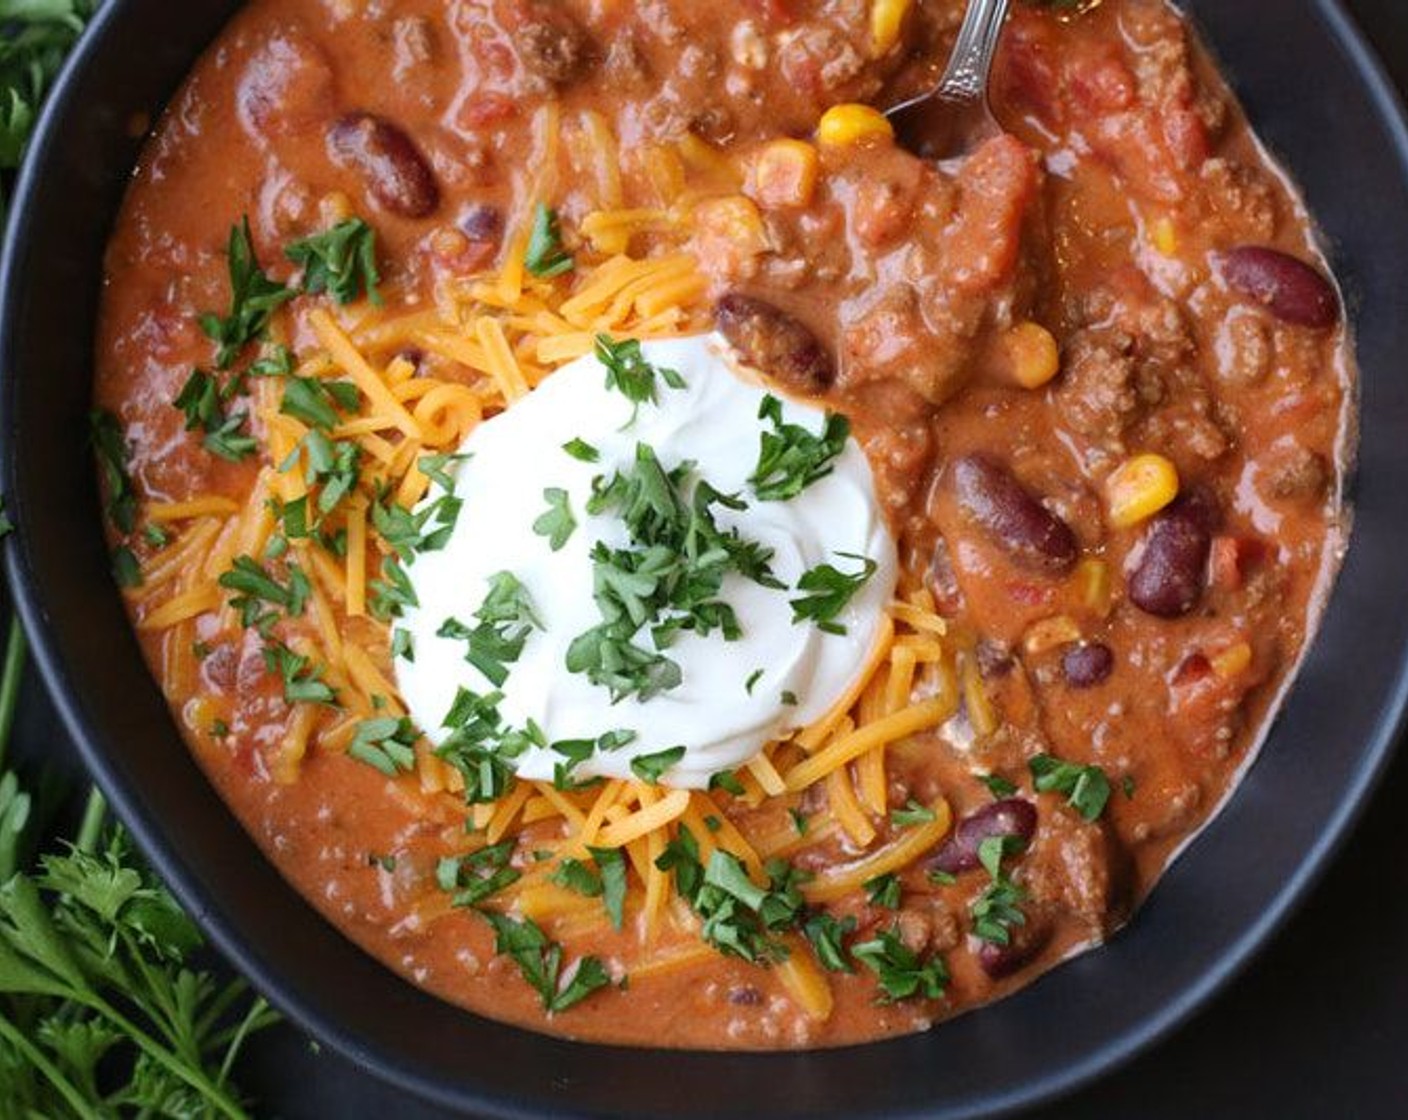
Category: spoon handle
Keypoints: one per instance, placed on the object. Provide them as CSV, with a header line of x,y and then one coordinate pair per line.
x,y
966,78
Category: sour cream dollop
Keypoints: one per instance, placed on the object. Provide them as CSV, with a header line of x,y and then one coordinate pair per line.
x,y
734,696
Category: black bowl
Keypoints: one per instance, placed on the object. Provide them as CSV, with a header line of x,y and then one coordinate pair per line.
x,y
1317,96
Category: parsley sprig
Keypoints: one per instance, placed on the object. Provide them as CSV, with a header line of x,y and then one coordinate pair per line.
x,y
101,1010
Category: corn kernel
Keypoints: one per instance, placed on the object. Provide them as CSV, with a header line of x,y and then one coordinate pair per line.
x,y
1051,633
1140,488
1232,661
335,207
886,19
1032,354
784,174
1093,579
844,126
1164,236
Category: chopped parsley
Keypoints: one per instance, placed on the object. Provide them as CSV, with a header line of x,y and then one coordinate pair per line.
x,y
436,468
505,620
428,529
912,814
392,595
581,451
202,402
111,446
611,864
557,524
253,300
576,876
315,401
884,890
628,372
301,678
753,678
791,458
827,936
998,910
727,780
340,261
1087,789
403,644
799,821
650,768
259,596
540,962
668,581
473,878
828,592
900,971
482,747
385,744
545,255
126,568
997,785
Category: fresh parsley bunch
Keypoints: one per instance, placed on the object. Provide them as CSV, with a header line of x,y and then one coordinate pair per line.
x,y
35,36
101,1012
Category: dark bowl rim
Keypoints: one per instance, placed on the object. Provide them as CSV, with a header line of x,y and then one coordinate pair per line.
x,y
1103,1060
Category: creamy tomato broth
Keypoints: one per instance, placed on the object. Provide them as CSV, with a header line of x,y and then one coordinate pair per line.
x,y
1092,380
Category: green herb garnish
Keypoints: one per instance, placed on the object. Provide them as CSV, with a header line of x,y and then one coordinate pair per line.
x,y
791,458
884,890
1087,789
540,962
901,972
253,300
386,744
829,591
912,814
557,524
545,255
630,374
650,768
341,262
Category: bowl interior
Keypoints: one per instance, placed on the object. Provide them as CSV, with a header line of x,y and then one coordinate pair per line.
x,y
1212,909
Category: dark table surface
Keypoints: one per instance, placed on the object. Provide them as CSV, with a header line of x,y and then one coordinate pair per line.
x,y
1317,1027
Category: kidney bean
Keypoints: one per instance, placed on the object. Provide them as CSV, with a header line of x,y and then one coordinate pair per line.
x,y
395,173
772,340
1087,664
1290,289
1169,578
483,222
1026,530
1009,817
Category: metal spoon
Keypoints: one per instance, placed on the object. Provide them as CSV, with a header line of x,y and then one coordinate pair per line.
x,y
949,120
